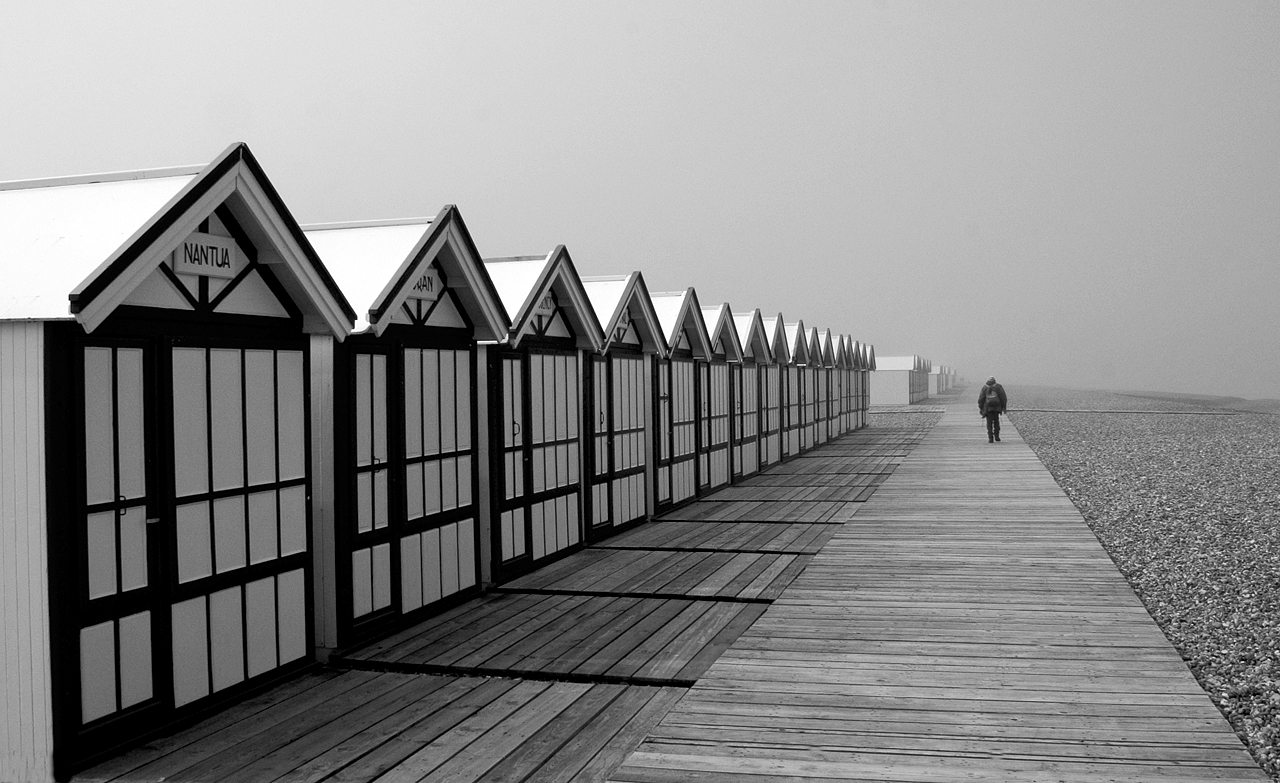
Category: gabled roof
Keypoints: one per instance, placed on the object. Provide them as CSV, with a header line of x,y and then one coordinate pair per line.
x,y
752,336
79,246
855,352
797,342
869,351
524,283
622,302
832,348
379,263
817,356
724,334
681,319
779,348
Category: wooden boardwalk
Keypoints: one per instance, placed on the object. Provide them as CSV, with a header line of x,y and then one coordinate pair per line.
x,y
964,625
890,606
556,676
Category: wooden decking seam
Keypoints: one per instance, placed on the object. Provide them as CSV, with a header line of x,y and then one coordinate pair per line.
x,y
399,667
724,599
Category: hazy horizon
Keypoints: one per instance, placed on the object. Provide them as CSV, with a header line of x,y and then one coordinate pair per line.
x,y
1057,193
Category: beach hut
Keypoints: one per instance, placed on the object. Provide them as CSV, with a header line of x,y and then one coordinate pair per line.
x,y
868,367
405,534
772,400
675,396
535,395
716,399
827,414
853,361
796,413
937,380
899,380
619,416
155,335
834,349
747,379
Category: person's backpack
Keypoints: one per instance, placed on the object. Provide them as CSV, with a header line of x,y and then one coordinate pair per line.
x,y
992,402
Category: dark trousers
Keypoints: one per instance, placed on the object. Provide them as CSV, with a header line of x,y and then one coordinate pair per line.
x,y
993,424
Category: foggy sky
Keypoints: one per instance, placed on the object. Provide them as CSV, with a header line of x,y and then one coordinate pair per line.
x,y
1061,193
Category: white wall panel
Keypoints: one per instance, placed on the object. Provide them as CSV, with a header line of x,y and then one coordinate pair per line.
x,y
190,651
260,625
292,600
190,422
226,627
97,671
135,659
291,399
410,572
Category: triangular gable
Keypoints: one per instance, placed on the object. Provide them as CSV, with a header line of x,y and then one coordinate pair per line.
x,y
627,316
842,356
234,191
752,336
723,332
816,355
415,271
681,318
797,342
830,357
537,290
869,351
779,349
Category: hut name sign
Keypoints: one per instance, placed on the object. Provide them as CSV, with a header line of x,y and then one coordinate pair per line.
x,y
207,255
426,286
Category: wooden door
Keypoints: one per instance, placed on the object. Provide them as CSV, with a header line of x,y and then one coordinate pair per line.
x,y
793,410
239,593
746,419
713,425
771,414
540,483
677,431
619,407
122,612
411,531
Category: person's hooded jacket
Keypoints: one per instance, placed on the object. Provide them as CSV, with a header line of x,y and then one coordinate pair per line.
x,y
982,397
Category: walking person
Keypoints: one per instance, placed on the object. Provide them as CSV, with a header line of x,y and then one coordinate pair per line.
x,y
991,403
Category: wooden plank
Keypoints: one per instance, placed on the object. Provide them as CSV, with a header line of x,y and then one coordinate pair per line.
x,y
963,624
594,753
533,755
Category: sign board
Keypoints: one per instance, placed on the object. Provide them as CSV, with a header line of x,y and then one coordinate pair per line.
x,y
426,286
547,304
208,256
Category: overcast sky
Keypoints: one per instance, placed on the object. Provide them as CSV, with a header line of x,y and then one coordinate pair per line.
x,y
1062,193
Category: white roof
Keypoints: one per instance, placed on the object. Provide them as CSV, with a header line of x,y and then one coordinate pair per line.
x,y
514,278
363,258
797,341
898,362
720,317
55,234
667,305
605,293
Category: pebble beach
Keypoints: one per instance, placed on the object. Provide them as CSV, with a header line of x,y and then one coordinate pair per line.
x,y
1185,497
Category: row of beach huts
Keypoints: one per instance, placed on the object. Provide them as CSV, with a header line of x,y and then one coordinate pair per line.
x,y
214,469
